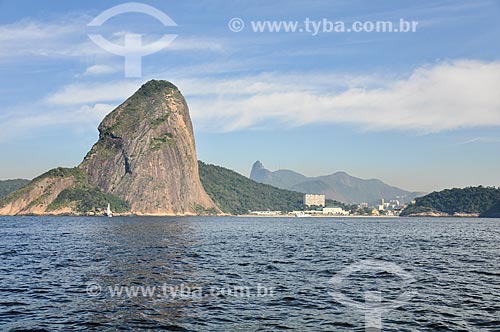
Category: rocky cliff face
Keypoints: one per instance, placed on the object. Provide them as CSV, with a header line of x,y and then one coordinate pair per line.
x,y
146,154
145,159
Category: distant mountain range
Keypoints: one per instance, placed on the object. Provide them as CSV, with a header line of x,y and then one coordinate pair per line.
x,y
339,186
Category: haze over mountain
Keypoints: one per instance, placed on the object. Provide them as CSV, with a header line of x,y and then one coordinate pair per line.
x,y
339,186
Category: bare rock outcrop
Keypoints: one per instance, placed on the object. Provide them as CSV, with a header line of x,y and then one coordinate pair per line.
x,y
146,154
143,163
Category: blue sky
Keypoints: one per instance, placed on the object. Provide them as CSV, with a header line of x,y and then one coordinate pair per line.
x,y
420,110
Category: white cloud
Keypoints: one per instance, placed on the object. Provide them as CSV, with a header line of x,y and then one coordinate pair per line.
x,y
82,117
480,139
446,96
31,38
67,37
268,83
197,43
75,94
100,70
30,30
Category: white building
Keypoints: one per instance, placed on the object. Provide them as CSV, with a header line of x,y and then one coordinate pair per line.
x,y
265,213
337,211
382,205
312,199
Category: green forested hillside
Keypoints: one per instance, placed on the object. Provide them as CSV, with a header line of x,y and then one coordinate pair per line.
x,y
81,196
237,194
232,192
8,186
494,212
467,200
86,198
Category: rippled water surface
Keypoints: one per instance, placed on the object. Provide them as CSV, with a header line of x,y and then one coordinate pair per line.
x,y
245,274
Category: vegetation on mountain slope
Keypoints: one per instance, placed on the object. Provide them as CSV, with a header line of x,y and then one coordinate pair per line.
x,y
8,186
470,200
237,194
234,193
59,172
88,199
80,196
494,212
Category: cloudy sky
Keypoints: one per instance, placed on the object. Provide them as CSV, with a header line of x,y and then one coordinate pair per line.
x,y
420,110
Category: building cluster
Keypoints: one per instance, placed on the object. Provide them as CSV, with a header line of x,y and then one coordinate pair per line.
x,y
315,205
319,201
391,208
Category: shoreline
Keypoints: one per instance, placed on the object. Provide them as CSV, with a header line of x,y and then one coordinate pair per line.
x,y
312,216
226,215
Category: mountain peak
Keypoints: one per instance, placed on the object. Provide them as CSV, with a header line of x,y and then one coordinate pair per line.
x,y
144,163
339,186
258,172
153,103
146,154
154,86
258,166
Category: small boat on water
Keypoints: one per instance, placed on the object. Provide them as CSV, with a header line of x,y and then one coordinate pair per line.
x,y
108,211
302,215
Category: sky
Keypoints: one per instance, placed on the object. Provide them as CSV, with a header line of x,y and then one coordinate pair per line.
x,y
418,109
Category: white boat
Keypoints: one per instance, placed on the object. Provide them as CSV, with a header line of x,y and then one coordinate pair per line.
x,y
108,211
302,215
